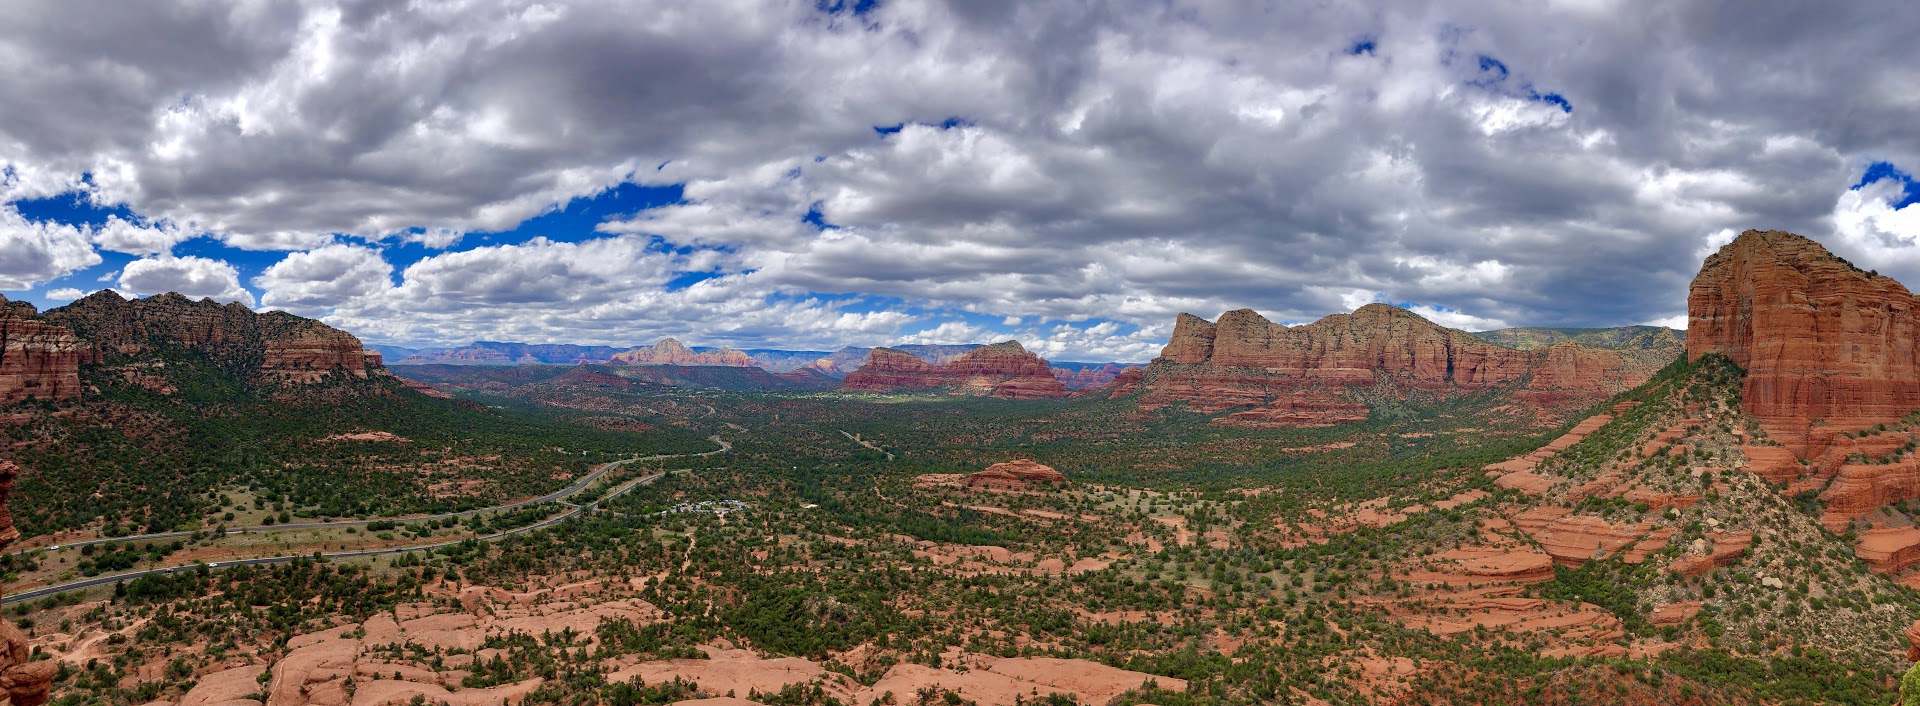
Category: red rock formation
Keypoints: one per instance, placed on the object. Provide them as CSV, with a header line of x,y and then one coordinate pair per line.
x,y
1018,474
25,683
1889,550
37,360
287,348
1575,372
672,352
1297,376
1002,370
1818,337
1828,349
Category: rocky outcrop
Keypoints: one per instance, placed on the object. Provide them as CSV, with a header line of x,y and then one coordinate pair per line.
x,y
1002,370
37,360
1300,375
275,345
672,352
25,683
1828,349
1819,338
1018,474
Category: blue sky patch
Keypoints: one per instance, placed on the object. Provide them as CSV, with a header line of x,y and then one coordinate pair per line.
x,y
1885,170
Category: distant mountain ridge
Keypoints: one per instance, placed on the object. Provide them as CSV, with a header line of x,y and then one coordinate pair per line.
x,y
1615,338
1004,369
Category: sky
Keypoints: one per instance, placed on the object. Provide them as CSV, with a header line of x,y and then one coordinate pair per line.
x,y
820,173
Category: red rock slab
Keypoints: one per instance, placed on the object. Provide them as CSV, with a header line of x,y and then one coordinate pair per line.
x,y
1533,459
223,686
737,671
1658,500
1889,550
1860,488
1573,540
1486,565
1728,549
1675,613
1653,542
1526,482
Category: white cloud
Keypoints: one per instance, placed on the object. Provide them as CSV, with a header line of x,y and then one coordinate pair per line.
x,y
65,294
1676,321
318,280
133,238
950,332
32,252
1873,233
195,277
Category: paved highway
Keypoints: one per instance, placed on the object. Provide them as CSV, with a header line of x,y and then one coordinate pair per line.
x,y
549,522
550,497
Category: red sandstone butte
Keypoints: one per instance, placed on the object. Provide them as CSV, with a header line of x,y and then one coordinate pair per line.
x,y
1002,370
1818,337
37,360
1828,349
1018,474
1299,375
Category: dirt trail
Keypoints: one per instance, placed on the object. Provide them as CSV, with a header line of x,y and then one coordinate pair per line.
x,y
863,442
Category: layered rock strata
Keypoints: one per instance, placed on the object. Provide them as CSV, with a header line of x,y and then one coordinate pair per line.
x,y
37,360
1829,351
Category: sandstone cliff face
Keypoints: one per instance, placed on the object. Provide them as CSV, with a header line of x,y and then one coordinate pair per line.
x,y
37,360
1002,370
672,352
1829,350
24,683
277,345
1819,338
1298,376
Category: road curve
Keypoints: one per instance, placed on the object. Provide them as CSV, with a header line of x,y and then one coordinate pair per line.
x,y
543,524
550,497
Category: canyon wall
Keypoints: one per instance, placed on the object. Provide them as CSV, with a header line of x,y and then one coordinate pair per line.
x,y
1819,338
37,360
1830,354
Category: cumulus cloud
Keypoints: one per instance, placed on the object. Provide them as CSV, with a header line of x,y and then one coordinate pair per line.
x,y
1873,231
317,281
33,252
123,236
1047,165
195,277
65,294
